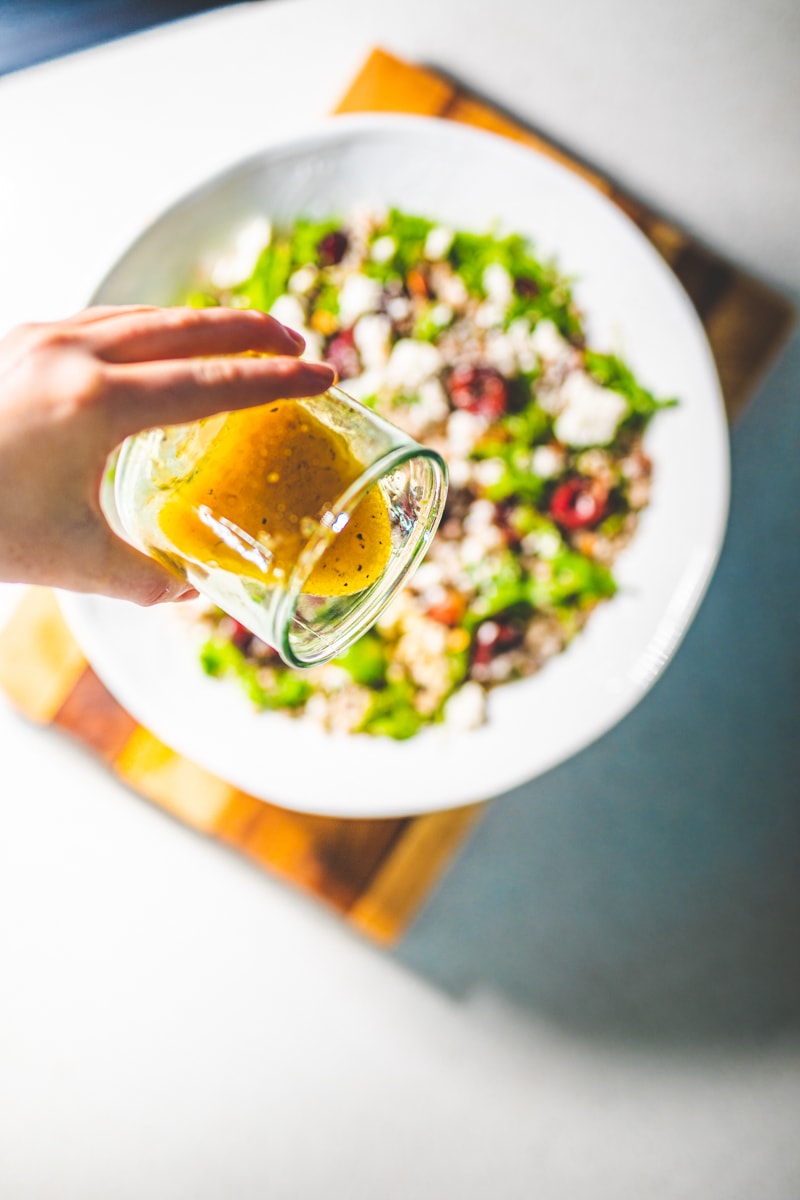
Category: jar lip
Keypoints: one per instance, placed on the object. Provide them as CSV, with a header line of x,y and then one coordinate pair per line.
x,y
345,505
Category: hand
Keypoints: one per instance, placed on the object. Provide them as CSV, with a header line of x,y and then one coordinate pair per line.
x,y
72,390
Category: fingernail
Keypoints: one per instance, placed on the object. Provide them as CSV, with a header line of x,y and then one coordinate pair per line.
x,y
321,371
295,338
188,593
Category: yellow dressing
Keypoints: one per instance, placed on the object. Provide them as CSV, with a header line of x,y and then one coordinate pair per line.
x,y
272,473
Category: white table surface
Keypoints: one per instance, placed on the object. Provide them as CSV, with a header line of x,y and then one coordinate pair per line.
x,y
602,999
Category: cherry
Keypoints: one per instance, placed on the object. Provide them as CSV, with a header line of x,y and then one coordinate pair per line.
x,y
342,354
579,503
492,638
241,636
478,389
526,287
332,248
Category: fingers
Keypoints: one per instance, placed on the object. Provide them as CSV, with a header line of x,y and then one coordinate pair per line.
x,y
144,334
34,336
180,390
103,312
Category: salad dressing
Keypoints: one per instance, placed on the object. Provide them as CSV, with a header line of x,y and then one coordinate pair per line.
x,y
260,492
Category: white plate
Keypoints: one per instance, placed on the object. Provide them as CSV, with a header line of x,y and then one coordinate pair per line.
x,y
632,303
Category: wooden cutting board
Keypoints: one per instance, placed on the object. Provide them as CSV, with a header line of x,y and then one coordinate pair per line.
x,y
376,873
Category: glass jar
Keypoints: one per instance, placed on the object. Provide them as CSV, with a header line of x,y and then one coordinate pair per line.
x,y
300,519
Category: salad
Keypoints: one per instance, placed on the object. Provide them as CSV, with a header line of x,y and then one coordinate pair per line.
x,y
475,346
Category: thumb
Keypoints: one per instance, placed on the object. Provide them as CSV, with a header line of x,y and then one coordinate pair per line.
x,y
129,575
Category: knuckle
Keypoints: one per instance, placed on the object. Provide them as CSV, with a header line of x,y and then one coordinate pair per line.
x,y
217,372
91,382
149,592
53,339
183,317
77,379
169,320
21,340
38,338
29,332
180,317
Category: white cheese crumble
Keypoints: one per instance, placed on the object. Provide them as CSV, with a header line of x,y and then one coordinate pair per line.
x,y
591,413
427,576
369,383
398,308
460,471
411,363
498,285
519,335
358,295
433,399
463,431
360,224
314,345
238,263
472,551
430,407
383,248
450,287
549,399
438,242
500,352
489,313
371,335
480,517
289,311
548,344
547,461
302,280
511,349
480,527
489,471
466,708
441,315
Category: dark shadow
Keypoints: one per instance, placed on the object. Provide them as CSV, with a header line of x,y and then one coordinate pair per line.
x,y
34,31
650,887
